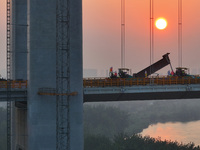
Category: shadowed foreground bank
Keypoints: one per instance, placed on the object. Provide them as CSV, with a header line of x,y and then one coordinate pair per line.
x,y
135,142
133,117
102,121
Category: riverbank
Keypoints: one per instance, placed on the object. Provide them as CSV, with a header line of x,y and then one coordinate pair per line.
x,y
141,114
135,142
103,121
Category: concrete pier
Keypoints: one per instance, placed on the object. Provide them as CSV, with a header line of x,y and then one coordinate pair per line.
x,y
19,39
18,71
33,58
42,73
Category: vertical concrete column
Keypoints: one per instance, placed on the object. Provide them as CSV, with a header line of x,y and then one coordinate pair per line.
x,y
76,75
42,73
19,39
19,69
20,126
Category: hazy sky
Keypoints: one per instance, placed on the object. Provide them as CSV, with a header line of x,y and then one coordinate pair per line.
x,y
3,37
101,24
102,38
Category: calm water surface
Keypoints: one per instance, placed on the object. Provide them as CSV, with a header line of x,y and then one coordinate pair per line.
x,y
175,131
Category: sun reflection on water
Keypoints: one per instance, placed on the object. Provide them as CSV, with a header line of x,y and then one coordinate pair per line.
x,y
175,131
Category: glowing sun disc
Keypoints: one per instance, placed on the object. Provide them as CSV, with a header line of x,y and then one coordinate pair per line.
x,y
161,23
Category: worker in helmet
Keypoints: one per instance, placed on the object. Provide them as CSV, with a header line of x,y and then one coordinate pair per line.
x,y
115,74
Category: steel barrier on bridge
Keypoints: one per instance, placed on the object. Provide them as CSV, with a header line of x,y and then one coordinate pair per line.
x,y
106,82
14,84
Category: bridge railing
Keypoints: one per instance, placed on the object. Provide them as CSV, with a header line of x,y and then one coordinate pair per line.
x,y
106,82
14,84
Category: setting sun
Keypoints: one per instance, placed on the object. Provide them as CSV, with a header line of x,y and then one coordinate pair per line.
x,y
161,23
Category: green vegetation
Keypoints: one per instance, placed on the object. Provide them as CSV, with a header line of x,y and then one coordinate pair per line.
x,y
103,121
97,142
140,114
145,113
135,142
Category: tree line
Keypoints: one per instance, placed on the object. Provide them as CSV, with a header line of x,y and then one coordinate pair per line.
x,y
103,121
135,142
116,126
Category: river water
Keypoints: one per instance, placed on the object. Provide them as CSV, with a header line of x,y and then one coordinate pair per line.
x,y
175,131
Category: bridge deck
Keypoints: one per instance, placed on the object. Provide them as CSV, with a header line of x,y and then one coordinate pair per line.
x,y
97,90
148,92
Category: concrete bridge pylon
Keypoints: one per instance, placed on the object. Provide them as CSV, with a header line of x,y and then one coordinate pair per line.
x,y
34,124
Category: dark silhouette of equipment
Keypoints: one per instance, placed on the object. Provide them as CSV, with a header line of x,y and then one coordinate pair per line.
x,y
124,73
154,67
182,71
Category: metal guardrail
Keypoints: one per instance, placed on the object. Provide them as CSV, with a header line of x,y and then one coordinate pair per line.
x,y
107,82
14,84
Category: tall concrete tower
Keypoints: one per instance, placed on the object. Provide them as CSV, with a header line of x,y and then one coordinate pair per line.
x,y
35,60
18,70
42,74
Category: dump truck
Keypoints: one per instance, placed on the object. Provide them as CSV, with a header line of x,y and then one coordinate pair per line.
x,y
125,72
154,67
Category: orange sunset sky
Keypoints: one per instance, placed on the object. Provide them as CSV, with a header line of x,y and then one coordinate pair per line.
x,y
102,24
102,34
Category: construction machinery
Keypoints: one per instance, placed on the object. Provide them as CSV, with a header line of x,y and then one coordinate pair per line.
x,y
182,72
154,67
125,73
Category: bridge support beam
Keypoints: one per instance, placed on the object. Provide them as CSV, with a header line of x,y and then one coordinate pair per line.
x,y
20,126
147,92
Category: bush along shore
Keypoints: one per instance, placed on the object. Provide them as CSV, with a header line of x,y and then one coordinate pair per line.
x,y
135,142
103,121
